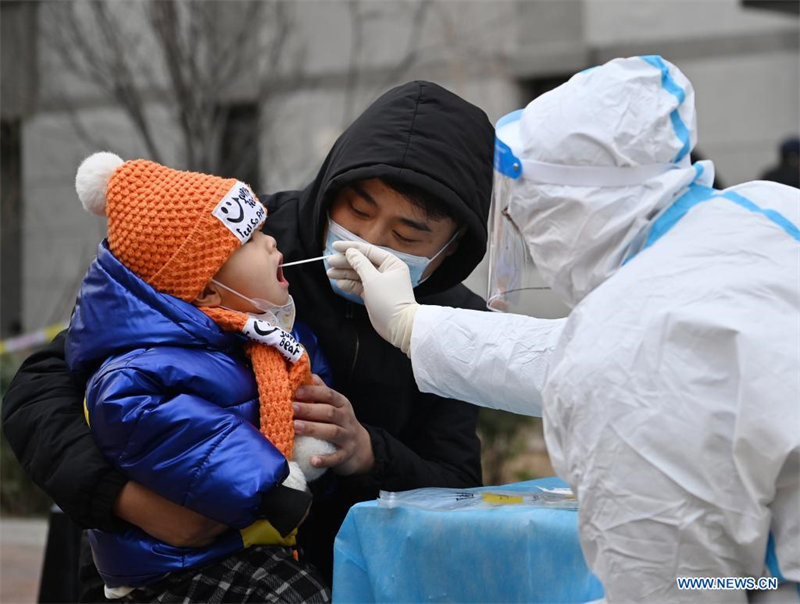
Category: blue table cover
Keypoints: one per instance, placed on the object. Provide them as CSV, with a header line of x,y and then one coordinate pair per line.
x,y
500,554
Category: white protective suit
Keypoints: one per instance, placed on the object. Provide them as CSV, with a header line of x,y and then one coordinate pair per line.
x,y
671,395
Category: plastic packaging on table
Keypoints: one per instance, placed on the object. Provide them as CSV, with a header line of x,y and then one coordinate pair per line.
x,y
445,499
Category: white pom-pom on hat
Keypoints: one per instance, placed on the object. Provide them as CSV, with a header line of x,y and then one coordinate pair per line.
x,y
92,178
304,448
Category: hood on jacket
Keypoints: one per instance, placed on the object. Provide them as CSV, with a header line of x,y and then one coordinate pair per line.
x,y
116,311
636,113
419,134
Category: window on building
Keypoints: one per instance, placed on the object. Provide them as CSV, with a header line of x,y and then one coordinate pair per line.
x,y
785,6
533,87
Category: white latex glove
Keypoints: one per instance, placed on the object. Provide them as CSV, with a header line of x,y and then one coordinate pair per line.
x,y
383,282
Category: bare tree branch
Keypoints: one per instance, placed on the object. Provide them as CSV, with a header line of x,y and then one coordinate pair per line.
x,y
200,56
124,87
210,61
411,53
164,17
226,62
107,67
356,48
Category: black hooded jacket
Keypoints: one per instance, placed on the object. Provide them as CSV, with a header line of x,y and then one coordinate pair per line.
x,y
417,133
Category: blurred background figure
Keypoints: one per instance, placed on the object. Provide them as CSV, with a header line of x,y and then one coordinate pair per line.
x,y
787,171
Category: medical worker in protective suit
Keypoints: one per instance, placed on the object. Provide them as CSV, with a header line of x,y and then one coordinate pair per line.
x,y
671,393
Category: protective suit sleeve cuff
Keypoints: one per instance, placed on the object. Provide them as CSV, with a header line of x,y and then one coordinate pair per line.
x,y
285,508
102,502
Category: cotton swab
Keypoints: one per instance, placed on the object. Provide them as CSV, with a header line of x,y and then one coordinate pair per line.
x,y
285,264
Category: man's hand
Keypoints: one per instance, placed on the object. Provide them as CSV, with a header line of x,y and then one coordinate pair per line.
x,y
383,281
164,520
327,415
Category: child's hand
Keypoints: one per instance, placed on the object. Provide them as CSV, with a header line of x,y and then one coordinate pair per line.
x,y
166,521
327,415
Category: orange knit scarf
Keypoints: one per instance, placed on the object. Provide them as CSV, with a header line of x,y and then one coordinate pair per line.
x,y
277,377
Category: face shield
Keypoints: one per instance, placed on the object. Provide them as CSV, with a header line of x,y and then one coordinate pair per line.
x,y
515,284
522,195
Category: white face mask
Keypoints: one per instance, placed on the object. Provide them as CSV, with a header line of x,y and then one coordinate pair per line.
x,y
281,316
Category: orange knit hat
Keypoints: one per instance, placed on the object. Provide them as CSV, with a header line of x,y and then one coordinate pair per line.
x,y
174,229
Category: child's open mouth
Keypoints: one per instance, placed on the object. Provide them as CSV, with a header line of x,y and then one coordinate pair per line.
x,y
279,274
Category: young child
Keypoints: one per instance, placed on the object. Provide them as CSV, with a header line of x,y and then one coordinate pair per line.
x,y
183,324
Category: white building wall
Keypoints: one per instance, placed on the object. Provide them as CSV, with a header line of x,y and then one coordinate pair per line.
x,y
610,22
59,237
745,108
743,63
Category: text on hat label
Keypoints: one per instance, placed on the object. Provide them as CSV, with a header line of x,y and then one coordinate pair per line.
x,y
240,211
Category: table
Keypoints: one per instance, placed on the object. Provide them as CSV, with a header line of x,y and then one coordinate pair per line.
x,y
509,553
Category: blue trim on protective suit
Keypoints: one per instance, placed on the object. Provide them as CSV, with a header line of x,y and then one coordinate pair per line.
x,y
698,194
698,168
772,215
671,86
772,561
773,566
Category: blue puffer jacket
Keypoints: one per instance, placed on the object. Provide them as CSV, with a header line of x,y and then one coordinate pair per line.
x,y
173,403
